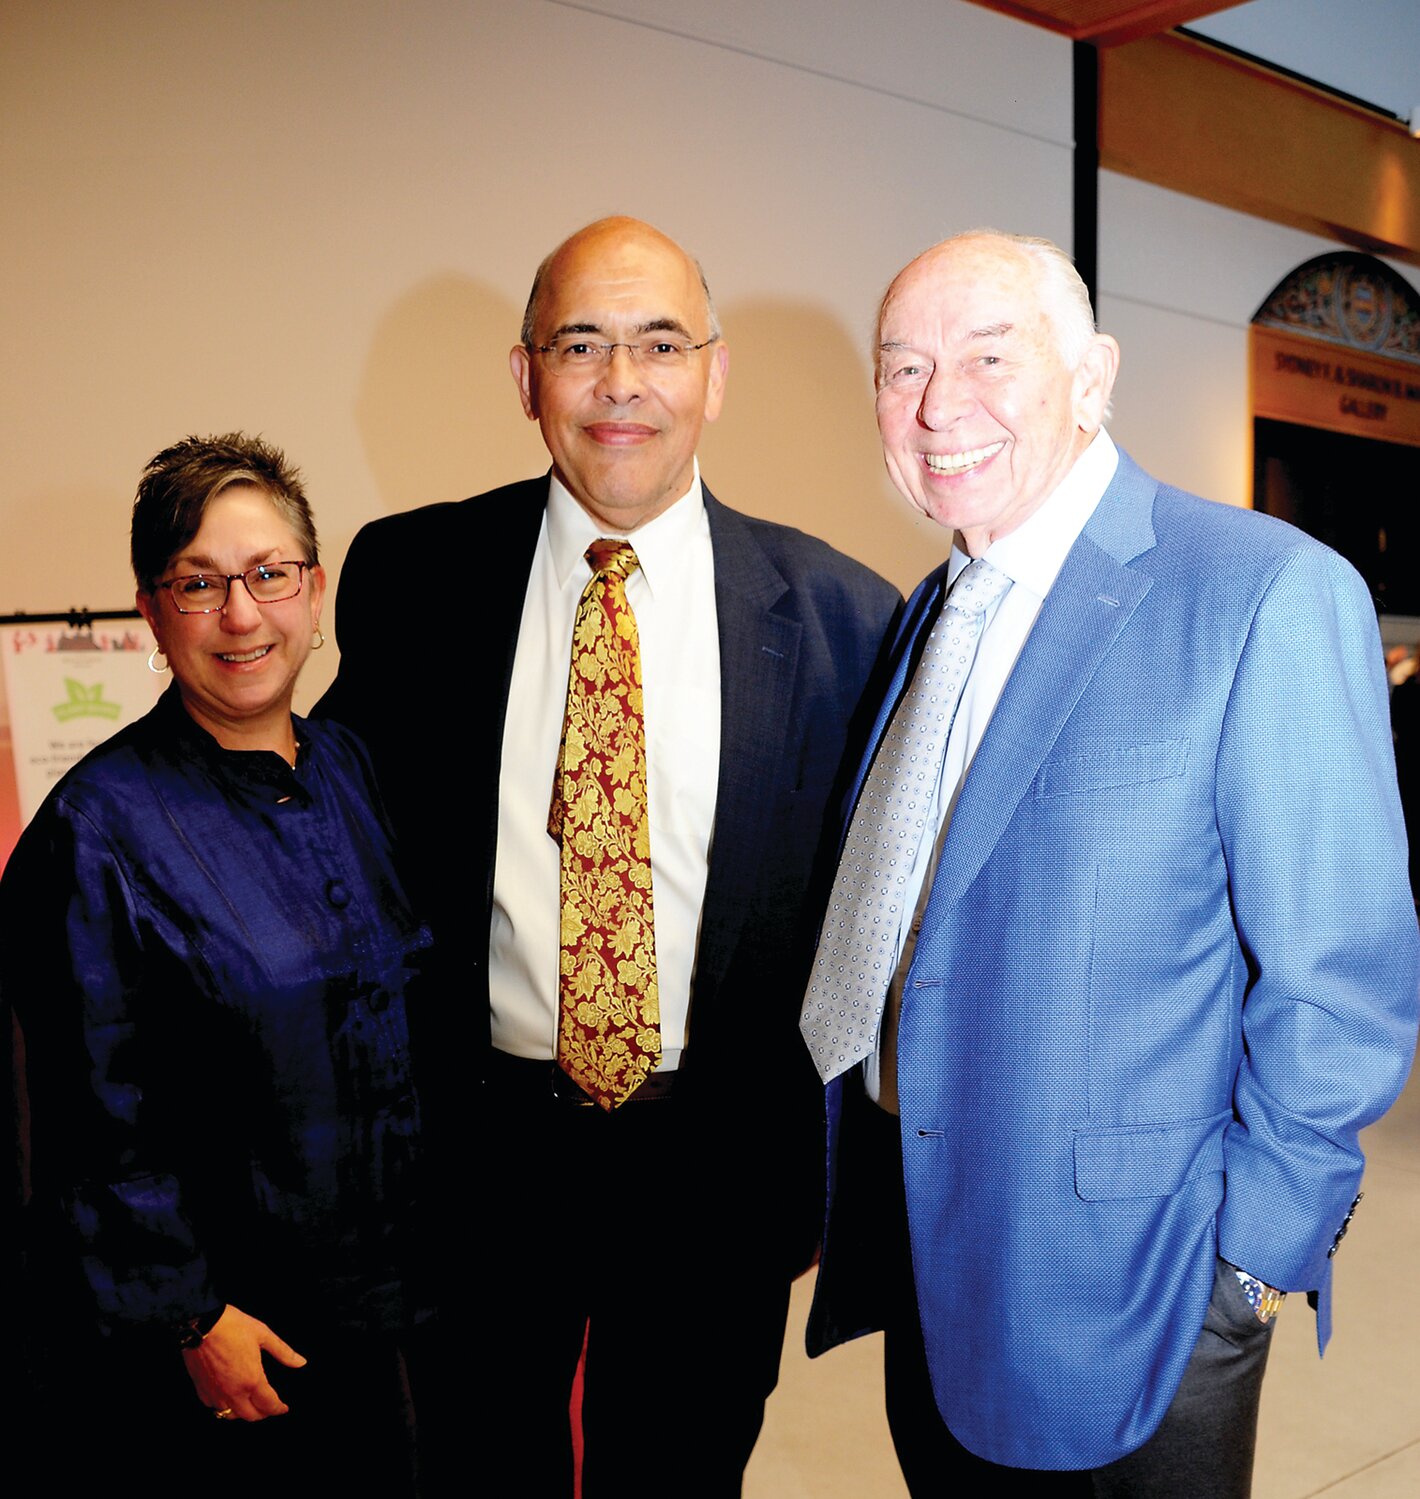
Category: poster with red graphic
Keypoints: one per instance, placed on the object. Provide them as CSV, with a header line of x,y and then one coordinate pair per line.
x,y
66,690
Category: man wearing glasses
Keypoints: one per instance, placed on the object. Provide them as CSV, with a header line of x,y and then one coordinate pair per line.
x,y
616,860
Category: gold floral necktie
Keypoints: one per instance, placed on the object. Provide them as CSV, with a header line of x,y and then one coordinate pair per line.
x,y
609,1026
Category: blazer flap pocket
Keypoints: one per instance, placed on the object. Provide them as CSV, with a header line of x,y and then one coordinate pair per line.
x,y
1147,1160
1129,765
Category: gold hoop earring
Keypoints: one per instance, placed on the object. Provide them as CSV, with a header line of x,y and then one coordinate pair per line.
x,y
157,670
319,640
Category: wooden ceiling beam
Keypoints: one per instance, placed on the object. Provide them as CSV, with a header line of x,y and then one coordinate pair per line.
x,y
1106,23
1200,120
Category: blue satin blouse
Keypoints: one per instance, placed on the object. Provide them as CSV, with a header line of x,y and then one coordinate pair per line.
x,y
212,956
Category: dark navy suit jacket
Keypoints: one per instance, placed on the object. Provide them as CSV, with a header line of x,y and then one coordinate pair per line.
x,y
425,683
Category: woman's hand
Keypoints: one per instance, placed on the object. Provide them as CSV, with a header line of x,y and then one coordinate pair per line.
x,y
227,1371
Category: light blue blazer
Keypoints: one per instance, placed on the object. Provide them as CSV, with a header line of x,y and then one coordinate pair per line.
x,y
1168,969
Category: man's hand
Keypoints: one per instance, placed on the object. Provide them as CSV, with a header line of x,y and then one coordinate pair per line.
x,y
227,1371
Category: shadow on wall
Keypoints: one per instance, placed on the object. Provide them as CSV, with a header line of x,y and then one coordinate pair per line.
x,y
437,409
797,441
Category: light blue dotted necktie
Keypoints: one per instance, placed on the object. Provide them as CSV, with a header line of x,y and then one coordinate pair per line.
x,y
857,947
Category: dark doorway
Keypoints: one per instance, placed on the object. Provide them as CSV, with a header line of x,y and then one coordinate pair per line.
x,y
1358,495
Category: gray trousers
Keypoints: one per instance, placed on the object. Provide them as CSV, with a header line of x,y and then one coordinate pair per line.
x,y
1202,1450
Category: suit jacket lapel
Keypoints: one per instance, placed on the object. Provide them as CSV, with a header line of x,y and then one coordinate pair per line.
x,y
506,574
906,651
759,663
1091,603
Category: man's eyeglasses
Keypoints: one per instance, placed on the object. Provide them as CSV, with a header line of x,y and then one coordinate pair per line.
x,y
206,593
574,353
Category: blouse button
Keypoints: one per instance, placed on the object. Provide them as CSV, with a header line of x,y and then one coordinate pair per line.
x,y
337,894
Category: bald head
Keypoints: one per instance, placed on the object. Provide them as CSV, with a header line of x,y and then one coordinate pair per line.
x,y
1064,296
605,234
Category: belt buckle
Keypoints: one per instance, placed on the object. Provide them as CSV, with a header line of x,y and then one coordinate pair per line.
x,y
564,1090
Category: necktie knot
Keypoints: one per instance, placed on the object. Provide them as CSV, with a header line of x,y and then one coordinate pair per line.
x,y
977,587
608,554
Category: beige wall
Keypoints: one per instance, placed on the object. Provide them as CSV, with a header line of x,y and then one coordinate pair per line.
x,y
318,221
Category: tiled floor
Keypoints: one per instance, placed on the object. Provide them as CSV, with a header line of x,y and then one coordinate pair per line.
x,y
1347,1427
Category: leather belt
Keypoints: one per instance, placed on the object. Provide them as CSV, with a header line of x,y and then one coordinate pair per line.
x,y
528,1080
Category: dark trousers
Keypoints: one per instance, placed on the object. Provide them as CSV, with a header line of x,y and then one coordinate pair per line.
x,y
621,1228
124,1416
1202,1450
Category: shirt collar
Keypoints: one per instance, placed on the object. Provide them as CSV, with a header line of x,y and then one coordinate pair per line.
x,y
662,545
261,772
1036,550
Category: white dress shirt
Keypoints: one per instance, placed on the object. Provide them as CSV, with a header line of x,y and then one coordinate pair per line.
x,y
1030,556
672,595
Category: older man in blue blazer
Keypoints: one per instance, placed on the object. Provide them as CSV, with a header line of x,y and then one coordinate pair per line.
x,y
1121,954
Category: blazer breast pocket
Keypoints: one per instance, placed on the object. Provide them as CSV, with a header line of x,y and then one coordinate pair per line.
x,y
1108,769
